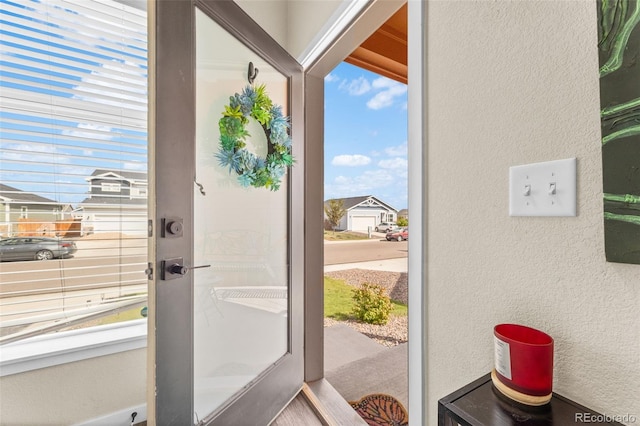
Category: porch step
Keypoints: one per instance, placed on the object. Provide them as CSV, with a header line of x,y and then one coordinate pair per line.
x,y
343,345
383,372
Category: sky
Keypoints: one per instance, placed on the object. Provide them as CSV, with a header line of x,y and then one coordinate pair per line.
x,y
365,138
365,119
73,100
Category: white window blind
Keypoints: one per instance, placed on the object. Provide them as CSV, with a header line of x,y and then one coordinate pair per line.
x,y
73,154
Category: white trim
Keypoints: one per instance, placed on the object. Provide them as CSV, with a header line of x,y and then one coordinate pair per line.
x,y
104,175
119,207
117,176
418,187
70,346
118,418
339,21
369,202
370,17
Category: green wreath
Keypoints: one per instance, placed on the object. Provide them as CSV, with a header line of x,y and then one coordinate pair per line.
x,y
251,169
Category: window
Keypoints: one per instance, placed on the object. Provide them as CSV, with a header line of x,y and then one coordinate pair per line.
x,y
73,106
139,192
110,187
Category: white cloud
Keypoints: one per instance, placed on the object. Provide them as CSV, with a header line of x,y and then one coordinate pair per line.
x,y
331,77
342,180
397,151
356,87
363,184
350,160
386,98
33,153
75,170
129,165
394,163
384,83
387,184
376,178
91,131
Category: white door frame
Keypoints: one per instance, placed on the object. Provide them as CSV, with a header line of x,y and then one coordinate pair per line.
x,y
372,16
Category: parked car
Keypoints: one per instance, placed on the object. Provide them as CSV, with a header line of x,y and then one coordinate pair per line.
x,y
386,227
398,234
35,248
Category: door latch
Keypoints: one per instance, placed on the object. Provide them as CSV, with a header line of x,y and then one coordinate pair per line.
x,y
149,271
174,268
172,227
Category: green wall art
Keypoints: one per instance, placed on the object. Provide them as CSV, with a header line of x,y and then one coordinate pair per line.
x,y
619,53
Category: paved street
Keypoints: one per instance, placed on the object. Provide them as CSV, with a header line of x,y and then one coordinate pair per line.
x,y
376,248
103,269
99,271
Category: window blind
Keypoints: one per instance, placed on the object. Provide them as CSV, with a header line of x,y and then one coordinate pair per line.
x,y
73,164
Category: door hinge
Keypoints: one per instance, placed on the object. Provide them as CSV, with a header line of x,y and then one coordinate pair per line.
x,y
149,271
150,228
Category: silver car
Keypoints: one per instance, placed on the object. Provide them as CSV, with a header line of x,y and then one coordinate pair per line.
x,y
35,248
386,226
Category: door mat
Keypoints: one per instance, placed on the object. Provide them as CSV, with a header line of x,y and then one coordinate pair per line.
x,y
380,409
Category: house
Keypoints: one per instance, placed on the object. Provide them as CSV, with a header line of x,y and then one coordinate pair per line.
x,y
491,85
404,214
364,213
117,202
24,213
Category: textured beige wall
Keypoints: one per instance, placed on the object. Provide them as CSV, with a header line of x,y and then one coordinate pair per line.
x,y
512,83
307,18
271,15
74,392
294,24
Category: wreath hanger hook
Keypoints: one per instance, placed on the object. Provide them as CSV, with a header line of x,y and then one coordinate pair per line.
x,y
252,73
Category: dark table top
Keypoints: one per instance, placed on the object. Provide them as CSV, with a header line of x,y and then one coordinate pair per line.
x,y
480,403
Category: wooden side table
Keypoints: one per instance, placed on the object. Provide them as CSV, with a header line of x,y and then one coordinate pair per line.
x,y
480,404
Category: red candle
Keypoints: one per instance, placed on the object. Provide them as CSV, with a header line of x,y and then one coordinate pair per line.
x,y
524,359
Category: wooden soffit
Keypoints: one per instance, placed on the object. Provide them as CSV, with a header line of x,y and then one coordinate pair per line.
x,y
385,51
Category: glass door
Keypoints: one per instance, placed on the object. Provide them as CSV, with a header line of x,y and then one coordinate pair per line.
x,y
227,234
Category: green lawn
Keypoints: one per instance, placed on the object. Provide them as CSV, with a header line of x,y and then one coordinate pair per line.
x,y
338,303
130,314
344,236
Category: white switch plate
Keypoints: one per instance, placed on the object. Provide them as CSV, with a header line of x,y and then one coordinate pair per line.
x,y
537,180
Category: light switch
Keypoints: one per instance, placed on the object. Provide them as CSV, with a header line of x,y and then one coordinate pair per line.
x,y
543,189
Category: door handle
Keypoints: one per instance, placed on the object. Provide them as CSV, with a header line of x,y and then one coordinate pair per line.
x,y
174,268
179,269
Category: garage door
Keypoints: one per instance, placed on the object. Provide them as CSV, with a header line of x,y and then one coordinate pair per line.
x,y
128,225
362,223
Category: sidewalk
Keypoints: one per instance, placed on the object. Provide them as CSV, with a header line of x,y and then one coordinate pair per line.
x,y
391,265
355,364
375,236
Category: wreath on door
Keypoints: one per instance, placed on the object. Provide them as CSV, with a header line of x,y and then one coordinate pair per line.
x,y
253,170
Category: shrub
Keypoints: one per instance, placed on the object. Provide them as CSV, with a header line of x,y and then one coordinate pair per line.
x,y
371,304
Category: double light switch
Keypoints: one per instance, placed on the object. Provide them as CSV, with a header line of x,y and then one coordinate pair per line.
x,y
543,189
